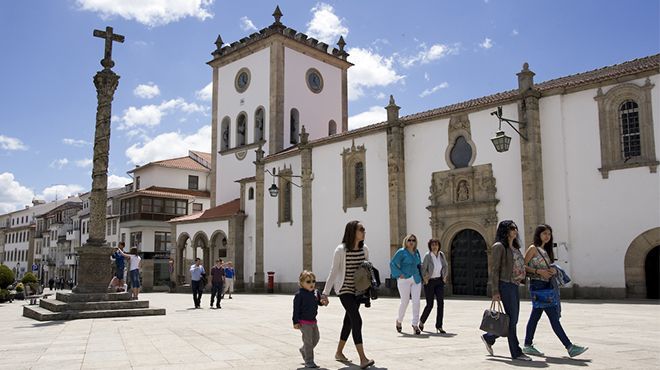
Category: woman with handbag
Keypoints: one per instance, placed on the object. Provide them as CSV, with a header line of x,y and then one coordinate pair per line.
x,y
507,273
434,275
538,259
348,256
406,268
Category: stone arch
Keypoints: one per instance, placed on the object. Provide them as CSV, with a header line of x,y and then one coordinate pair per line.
x,y
180,258
635,259
219,245
200,243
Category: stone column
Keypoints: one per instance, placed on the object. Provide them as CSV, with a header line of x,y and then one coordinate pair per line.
x,y
530,153
276,111
306,168
396,174
259,276
214,135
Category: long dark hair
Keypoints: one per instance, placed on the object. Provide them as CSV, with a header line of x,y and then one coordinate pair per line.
x,y
502,234
548,246
349,235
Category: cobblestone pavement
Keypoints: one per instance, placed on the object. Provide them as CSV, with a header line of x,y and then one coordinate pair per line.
x,y
255,332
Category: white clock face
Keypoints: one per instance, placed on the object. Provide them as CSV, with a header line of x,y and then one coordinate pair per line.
x,y
314,80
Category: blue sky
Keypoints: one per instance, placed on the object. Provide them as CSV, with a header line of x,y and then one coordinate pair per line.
x,y
427,54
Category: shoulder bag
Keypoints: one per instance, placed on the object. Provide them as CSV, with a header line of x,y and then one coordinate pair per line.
x,y
543,298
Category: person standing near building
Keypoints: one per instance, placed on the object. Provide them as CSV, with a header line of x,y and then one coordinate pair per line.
x,y
538,260
508,272
117,281
405,266
229,278
217,282
196,271
135,263
51,283
434,275
348,256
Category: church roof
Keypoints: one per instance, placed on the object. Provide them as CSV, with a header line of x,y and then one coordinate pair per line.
x,y
277,28
222,211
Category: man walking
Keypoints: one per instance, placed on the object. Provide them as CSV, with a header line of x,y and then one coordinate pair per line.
x,y
196,272
229,279
217,281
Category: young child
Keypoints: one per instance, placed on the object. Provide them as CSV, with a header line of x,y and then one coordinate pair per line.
x,y
305,308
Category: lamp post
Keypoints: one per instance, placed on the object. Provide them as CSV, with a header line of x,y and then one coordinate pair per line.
x,y
273,189
501,141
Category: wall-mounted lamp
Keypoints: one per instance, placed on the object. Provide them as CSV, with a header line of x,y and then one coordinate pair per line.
x,y
501,141
273,189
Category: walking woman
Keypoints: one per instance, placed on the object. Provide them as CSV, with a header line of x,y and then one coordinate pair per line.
x,y
507,274
538,259
405,267
347,257
434,275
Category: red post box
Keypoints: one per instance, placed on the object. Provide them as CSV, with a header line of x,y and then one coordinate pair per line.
x,y
271,281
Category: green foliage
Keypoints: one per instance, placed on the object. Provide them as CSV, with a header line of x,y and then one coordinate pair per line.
x,y
19,287
4,295
29,278
6,276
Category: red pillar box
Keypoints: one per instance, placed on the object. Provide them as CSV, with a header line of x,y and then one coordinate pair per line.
x,y
271,281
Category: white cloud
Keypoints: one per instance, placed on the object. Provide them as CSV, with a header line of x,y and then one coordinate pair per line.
x,y
426,76
206,93
75,142
487,43
325,26
247,25
149,12
515,32
375,114
147,91
11,143
13,195
427,55
151,115
60,191
370,69
115,181
169,145
84,163
381,95
430,91
59,163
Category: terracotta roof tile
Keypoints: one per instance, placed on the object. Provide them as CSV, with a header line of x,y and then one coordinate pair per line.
x,y
184,163
224,210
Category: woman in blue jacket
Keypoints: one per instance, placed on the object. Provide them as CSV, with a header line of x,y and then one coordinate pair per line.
x,y
405,266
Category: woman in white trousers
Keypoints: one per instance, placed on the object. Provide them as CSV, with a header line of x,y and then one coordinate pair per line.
x,y
405,267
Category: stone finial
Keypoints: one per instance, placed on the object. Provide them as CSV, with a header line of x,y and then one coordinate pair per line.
x,y
392,111
341,43
218,44
525,78
277,14
304,136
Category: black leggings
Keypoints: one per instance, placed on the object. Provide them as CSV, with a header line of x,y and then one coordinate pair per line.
x,y
352,319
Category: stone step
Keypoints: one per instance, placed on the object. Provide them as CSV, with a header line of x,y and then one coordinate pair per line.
x,y
42,314
59,306
93,297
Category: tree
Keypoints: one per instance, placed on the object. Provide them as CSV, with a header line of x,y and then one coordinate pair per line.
x,y
6,276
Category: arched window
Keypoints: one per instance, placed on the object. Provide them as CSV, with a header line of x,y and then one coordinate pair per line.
x,y
294,126
224,132
259,124
251,193
629,130
332,127
461,153
359,180
241,129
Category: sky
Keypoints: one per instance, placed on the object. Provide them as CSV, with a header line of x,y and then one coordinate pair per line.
x,y
427,54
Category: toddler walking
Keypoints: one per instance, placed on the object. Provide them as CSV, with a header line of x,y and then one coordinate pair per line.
x,y
305,308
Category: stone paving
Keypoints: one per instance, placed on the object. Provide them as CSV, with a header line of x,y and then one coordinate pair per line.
x,y
255,332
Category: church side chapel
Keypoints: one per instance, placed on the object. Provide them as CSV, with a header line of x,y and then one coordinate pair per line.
x,y
576,152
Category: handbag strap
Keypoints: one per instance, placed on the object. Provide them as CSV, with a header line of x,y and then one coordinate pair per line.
x,y
496,306
542,256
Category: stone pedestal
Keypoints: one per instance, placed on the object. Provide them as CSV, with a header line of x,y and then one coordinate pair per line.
x,y
95,269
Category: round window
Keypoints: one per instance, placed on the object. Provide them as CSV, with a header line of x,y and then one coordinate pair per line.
x,y
242,80
314,80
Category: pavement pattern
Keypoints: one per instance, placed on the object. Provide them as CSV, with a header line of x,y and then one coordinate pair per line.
x,y
255,332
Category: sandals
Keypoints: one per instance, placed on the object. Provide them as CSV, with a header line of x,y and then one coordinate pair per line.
x,y
421,326
341,358
416,329
398,327
370,363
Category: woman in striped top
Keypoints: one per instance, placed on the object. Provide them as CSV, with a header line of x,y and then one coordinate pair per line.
x,y
347,257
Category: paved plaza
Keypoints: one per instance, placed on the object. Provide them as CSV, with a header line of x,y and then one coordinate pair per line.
x,y
255,332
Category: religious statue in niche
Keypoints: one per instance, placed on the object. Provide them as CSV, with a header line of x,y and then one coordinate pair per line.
x,y
260,125
225,136
462,191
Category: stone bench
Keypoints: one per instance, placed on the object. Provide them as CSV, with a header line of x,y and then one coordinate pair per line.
x,y
33,298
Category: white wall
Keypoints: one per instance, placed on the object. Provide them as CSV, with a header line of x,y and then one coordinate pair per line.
x,y
170,177
597,218
316,110
249,241
230,169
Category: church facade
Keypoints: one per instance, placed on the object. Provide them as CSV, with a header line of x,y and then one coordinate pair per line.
x,y
287,174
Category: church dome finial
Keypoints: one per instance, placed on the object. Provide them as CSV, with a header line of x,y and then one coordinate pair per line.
x,y
341,43
277,14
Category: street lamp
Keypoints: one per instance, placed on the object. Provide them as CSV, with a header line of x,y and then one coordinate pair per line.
x,y
273,189
501,141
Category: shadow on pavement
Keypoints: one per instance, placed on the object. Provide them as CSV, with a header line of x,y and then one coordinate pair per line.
x,y
567,361
518,363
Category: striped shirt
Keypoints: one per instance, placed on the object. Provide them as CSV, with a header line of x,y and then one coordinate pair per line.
x,y
354,259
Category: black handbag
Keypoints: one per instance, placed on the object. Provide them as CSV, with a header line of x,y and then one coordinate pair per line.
x,y
495,321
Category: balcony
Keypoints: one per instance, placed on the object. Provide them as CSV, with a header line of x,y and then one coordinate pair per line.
x,y
148,217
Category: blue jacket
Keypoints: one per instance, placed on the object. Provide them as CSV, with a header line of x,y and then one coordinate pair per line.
x,y
406,264
306,305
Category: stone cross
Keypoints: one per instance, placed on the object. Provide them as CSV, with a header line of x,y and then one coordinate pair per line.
x,y
109,38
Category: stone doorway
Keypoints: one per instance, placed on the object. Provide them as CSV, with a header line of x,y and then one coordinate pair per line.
x,y
652,271
641,263
469,264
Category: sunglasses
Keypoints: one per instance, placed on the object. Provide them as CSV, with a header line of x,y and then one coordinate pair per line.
x,y
412,240
310,281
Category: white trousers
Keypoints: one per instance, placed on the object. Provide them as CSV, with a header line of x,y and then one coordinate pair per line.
x,y
408,288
